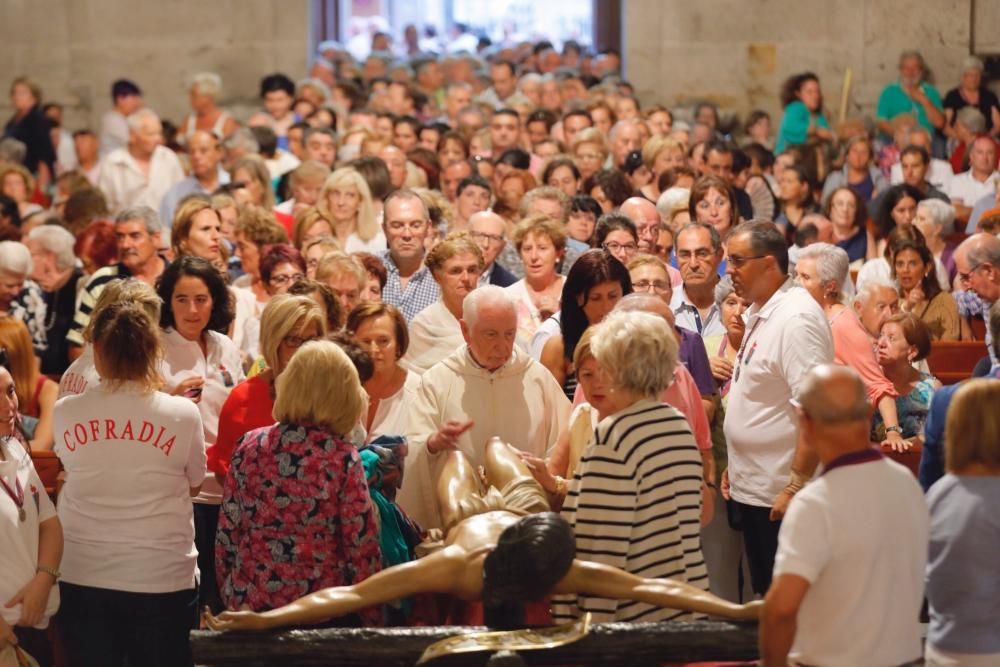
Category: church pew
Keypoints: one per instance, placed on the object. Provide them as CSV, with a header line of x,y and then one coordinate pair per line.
x,y
953,361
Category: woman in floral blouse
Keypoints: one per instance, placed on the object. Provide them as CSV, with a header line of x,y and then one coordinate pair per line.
x,y
296,513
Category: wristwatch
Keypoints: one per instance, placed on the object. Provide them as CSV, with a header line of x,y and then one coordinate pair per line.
x,y
895,429
55,574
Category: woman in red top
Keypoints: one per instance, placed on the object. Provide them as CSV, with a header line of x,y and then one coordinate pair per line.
x,y
286,323
36,393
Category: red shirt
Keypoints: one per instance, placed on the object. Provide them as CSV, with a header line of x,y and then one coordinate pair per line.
x,y
248,407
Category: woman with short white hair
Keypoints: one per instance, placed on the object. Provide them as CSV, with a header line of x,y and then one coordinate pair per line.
x,y
205,89
823,270
21,297
935,220
57,274
635,501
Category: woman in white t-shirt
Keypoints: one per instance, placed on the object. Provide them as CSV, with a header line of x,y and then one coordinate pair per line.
x,y
133,456
202,365
31,537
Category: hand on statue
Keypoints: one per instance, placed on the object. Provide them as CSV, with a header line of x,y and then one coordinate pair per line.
x,y
540,471
234,620
447,436
896,442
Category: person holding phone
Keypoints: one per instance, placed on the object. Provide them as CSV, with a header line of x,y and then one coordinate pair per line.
x,y
202,365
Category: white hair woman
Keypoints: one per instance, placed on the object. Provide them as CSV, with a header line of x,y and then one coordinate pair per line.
x,y
346,202
935,220
640,477
56,273
205,90
20,297
306,466
823,270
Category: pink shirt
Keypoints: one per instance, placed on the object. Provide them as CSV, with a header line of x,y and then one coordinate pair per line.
x,y
853,347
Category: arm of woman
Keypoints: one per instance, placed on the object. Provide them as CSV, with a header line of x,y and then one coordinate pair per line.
x,y
552,358
34,595
46,406
795,124
601,580
439,572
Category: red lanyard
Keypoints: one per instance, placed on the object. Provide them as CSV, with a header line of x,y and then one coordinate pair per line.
x,y
17,497
743,346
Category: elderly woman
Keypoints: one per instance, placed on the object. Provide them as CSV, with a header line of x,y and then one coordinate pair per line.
x,y
133,457
659,154
310,225
345,275
596,282
822,270
32,537
17,183
380,330
921,293
904,341
287,322
723,349
255,229
251,170
205,112
540,242
36,393
962,578
346,203
590,151
714,203
849,215
972,92
640,476
203,365
935,220
305,466
30,126
56,273
378,276
436,332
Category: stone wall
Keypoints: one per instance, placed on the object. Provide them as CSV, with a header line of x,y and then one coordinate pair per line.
x,y
75,48
738,52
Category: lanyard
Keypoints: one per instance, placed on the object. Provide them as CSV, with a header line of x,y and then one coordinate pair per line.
x,y
17,496
743,346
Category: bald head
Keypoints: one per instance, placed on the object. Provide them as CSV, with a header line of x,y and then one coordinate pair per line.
x,y
486,227
832,394
643,213
977,260
644,302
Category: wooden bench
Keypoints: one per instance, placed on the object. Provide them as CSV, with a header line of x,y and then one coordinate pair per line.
x,y
953,361
48,466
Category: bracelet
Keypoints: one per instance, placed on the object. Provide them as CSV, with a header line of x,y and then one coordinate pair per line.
x,y
797,480
55,574
561,486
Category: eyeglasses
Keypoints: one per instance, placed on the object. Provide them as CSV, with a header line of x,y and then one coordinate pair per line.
x,y
967,277
479,237
298,341
627,248
738,261
657,285
282,280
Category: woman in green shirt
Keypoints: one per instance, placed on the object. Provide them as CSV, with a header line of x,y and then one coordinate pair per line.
x,y
803,102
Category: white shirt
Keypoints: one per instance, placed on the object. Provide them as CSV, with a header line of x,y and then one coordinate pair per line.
x,y
114,132
130,459
19,553
864,559
546,330
80,374
125,184
434,334
966,188
282,163
392,416
221,369
939,175
374,245
784,340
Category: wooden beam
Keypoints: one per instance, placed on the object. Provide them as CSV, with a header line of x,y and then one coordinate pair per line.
x,y
618,644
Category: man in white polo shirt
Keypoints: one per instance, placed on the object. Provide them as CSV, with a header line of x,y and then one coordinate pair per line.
x,y
786,336
841,594
970,186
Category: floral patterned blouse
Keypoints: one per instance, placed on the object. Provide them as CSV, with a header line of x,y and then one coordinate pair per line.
x,y
912,410
296,517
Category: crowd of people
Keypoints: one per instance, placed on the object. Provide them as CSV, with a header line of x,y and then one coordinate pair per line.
x,y
393,320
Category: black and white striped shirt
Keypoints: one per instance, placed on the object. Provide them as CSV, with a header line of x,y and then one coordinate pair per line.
x,y
635,504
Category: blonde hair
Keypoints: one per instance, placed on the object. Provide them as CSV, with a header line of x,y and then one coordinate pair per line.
x,y
637,350
540,225
328,243
366,226
255,165
319,371
591,135
583,350
656,145
257,224
972,429
337,263
310,170
282,315
127,346
305,219
456,243
184,219
11,168
130,290
647,260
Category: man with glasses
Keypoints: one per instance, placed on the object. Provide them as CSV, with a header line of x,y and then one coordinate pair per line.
x,y
699,253
786,336
977,262
410,285
487,230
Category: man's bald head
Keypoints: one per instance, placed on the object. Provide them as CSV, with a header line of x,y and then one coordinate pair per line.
x,y
643,213
645,302
834,394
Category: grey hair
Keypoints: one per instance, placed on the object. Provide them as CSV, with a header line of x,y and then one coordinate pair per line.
x,y
137,118
316,84
617,127
913,53
637,349
832,263
483,296
58,241
723,289
545,192
942,213
865,290
242,138
983,250
814,396
670,199
972,62
148,216
207,83
971,119
457,85
15,258
531,77
12,150
713,233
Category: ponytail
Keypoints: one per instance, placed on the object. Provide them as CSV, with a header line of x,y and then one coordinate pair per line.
x,y
127,340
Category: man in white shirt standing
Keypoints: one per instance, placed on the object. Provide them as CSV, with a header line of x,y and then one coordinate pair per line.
x,y
142,173
841,595
970,186
786,336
